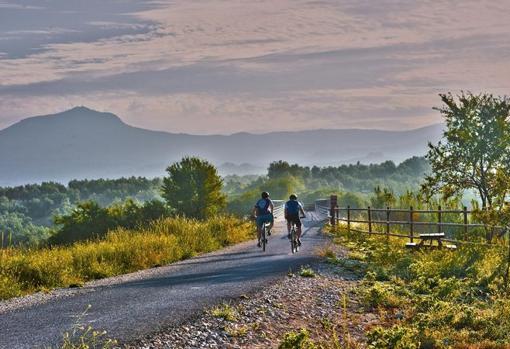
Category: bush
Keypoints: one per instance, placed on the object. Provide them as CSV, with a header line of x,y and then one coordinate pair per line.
x,y
88,220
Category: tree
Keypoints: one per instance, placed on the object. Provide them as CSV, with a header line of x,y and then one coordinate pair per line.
x,y
279,169
16,228
383,197
88,220
194,188
280,188
475,151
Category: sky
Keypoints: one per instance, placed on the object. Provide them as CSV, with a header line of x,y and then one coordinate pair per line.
x,y
220,67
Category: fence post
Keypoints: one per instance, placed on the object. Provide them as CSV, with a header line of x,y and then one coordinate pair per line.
x,y
348,218
333,199
369,220
465,221
387,221
411,224
439,219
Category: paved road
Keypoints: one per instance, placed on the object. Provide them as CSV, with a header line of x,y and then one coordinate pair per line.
x,y
137,304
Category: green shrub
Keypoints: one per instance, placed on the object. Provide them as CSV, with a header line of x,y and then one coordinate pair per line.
x,y
379,294
297,340
307,272
225,312
397,337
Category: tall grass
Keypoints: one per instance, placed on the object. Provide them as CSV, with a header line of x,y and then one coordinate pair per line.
x,y
23,271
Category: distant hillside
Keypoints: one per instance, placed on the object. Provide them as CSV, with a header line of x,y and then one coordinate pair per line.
x,y
83,143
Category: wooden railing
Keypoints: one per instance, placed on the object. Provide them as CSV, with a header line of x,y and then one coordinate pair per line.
x,y
411,223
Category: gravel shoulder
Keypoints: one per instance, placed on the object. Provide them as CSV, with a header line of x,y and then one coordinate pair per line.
x,y
324,304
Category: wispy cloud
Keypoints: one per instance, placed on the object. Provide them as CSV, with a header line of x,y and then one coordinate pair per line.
x,y
223,66
6,5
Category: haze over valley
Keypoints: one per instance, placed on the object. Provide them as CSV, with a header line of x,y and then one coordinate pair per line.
x,y
82,143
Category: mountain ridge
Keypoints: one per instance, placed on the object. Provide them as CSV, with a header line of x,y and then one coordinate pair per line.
x,y
242,133
83,143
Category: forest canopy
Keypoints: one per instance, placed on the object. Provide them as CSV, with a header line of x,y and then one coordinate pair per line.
x,y
32,213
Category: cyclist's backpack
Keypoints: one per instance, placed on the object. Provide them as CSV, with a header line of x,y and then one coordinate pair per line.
x,y
263,207
292,207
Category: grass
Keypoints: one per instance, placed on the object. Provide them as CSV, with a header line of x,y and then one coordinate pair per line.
x,y
237,331
307,272
297,340
431,298
225,312
85,337
24,271
301,339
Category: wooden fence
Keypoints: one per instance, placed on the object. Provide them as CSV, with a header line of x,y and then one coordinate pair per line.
x,y
411,223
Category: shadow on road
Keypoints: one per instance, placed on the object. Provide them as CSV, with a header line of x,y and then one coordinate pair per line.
x,y
233,274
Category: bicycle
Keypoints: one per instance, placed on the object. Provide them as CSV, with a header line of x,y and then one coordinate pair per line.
x,y
263,237
293,241
294,246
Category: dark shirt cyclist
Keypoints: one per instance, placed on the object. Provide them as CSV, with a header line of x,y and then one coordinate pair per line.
x,y
263,211
293,209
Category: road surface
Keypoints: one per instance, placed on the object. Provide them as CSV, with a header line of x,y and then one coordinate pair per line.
x,y
138,304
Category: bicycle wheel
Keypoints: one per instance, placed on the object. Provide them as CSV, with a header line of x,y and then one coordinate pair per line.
x,y
264,228
293,240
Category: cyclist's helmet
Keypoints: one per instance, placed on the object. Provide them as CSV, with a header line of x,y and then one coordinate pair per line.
x,y
293,197
265,194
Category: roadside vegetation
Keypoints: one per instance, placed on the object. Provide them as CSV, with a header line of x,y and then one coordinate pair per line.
x,y
94,242
23,271
430,298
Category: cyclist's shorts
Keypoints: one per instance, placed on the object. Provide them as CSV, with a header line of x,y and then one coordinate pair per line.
x,y
267,218
294,218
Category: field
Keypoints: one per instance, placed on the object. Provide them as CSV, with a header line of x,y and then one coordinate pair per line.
x,y
24,271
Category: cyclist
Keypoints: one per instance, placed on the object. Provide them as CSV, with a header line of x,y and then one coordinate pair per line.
x,y
263,211
293,209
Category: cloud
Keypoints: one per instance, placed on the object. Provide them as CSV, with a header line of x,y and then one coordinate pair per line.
x,y
11,6
238,66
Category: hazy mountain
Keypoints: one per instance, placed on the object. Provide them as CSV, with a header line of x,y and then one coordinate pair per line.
x,y
82,143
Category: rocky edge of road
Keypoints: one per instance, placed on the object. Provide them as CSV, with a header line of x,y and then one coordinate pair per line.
x,y
319,298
